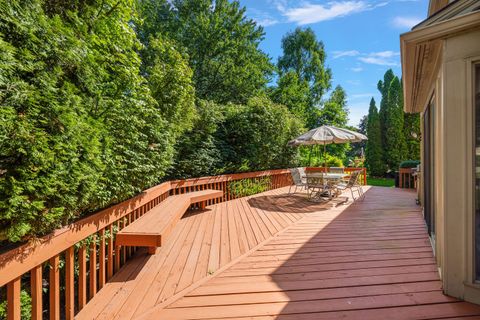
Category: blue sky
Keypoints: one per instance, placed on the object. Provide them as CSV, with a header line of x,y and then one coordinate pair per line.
x,y
361,38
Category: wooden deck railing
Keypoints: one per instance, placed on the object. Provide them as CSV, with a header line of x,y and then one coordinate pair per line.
x,y
74,262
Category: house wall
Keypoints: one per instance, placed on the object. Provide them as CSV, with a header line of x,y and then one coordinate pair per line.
x,y
454,185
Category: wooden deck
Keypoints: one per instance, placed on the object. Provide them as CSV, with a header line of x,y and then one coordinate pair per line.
x,y
273,256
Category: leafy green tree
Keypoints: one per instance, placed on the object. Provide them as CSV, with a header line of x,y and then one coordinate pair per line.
x,y
294,94
373,153
304,56
170,82
334,112
221,43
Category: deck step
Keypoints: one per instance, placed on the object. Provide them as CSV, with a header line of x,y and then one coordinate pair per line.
x,y
152,229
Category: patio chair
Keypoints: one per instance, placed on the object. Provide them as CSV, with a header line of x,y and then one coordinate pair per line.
x,y
298,180
352,184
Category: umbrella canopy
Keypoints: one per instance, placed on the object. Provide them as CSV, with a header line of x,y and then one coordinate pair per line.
x,y
326,135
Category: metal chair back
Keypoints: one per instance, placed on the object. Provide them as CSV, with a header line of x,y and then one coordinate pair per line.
x,y
296,176
353,178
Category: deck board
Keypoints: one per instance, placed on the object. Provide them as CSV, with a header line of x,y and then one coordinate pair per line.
x,y
282,257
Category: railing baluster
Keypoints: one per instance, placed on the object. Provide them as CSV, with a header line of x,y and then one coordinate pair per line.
x,y
110,253
13,299
69,283
82,277
36,292
123,249
93,267
54,289
101,259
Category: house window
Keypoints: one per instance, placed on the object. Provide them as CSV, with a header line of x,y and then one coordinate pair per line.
x,y
477,171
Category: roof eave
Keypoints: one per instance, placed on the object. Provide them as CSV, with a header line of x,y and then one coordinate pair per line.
x,y
421,53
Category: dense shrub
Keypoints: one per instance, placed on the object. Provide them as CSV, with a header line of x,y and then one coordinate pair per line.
x,y
409,164
197,153
248,187
255,136
80,128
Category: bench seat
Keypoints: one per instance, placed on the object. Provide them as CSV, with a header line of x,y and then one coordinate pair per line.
x,y
153,228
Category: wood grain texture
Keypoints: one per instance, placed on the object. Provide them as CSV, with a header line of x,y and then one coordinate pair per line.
x,y
367,260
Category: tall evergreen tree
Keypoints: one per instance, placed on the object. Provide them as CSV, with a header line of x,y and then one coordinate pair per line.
x,y
395,149
384,87
411,131
373,152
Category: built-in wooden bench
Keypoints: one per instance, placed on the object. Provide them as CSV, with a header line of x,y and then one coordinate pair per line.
x,y
153,228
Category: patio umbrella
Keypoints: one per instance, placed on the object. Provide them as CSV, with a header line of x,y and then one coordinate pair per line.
x,y
327,135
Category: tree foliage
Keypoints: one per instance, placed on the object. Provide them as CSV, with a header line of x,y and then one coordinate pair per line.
x,y
295,95
399,132
197,149
222,45
373,152
303,56
80,128
255,136
334,112
394,139
101,99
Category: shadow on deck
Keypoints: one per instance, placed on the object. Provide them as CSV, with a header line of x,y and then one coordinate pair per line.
x,y
278,256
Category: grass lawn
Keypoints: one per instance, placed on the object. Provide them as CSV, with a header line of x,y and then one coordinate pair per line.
x,y
381,182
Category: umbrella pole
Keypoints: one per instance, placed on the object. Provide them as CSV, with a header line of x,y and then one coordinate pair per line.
x,y
310,157
324,156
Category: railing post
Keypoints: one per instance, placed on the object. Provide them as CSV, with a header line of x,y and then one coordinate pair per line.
x,y
69,284
82,277
54,289
36,292
93,267
13,299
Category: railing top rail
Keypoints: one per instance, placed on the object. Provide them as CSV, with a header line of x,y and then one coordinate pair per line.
x,y
16,262
225,177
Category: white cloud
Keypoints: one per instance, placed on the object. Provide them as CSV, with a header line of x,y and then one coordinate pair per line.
x,y
266,22
406,22
382,58
357,69
262,18
281,5
350,53
313,13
